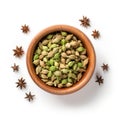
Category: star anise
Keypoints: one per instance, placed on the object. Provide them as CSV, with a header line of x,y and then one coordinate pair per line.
x,y
29,96
25,28
85,21
95,34
105,67
21,83
99,79
18,52
15,67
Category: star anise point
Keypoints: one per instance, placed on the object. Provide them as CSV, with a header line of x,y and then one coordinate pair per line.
x,y
21,83
25,28
18,52
29,96
15,67
85,22
95,34
105,67
99,79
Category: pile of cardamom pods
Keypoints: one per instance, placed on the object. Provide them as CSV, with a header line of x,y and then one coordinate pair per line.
x,y
60,59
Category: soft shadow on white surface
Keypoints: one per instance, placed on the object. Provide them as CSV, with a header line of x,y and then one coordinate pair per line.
x,y
84,96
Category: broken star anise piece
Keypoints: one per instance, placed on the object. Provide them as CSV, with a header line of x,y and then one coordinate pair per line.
x,y
95,34
18,52
105,67
29,96
21,83
25,28
15,67
99,79
85,21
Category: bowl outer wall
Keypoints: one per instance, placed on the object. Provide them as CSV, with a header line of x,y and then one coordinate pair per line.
x,y
90,52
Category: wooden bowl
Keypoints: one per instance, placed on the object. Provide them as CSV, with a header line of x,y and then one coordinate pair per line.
x,y
90,52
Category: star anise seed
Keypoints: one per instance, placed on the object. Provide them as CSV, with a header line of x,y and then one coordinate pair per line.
x,y
95,34
85,21
99,79
15,67
29,96
25,28
105,67
18,52
21,83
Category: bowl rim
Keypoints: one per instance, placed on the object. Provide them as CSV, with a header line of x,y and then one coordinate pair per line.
x,y
90,51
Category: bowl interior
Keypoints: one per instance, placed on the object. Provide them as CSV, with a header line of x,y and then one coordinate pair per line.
x,y
90,52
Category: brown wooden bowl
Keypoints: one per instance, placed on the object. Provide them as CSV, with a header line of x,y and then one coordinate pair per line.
x,y
90,52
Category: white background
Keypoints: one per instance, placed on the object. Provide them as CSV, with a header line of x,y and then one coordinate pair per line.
x,y
91,102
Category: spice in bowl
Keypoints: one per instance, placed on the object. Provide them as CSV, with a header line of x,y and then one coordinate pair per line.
x,y
60,59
